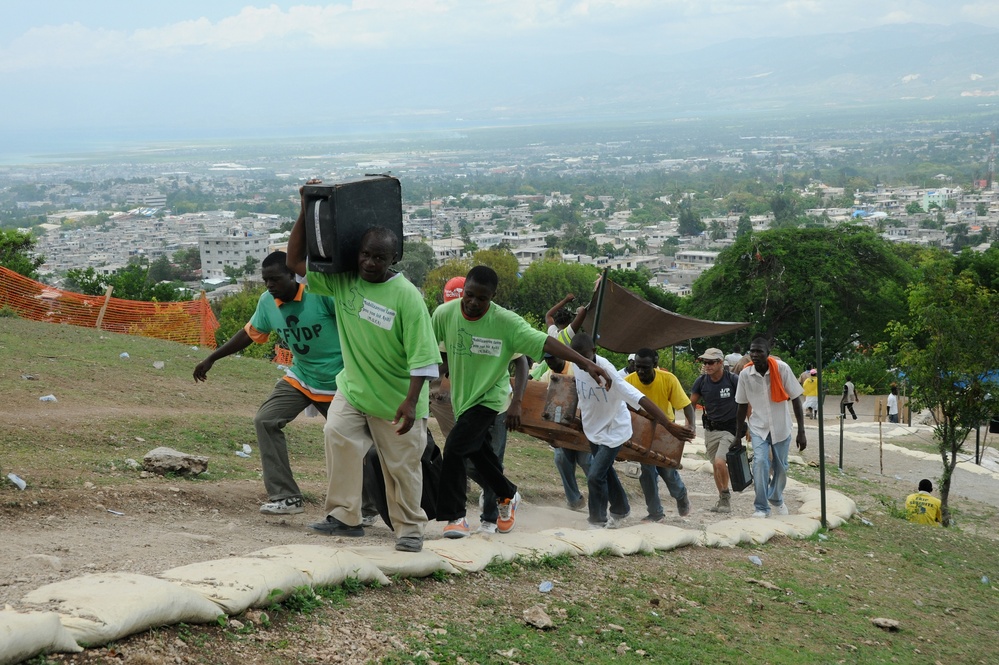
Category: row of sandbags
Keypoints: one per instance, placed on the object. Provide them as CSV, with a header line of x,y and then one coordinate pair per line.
x,y
96,609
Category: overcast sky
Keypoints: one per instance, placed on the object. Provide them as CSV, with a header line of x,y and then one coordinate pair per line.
x,y
103,65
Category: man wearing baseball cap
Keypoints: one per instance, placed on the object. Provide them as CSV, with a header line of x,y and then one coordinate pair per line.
x,y
715,389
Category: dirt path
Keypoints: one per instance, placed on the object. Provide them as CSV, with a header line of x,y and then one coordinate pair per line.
x,y
165,523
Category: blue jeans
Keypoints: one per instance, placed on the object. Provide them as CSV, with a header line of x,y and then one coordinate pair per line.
x,y
490,510
649,480
605,486
566,460
769,475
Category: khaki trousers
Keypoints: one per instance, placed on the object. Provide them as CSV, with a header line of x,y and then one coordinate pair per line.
x,y
348,435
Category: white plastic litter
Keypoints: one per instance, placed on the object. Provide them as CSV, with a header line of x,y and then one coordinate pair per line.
x,y
240,453
47,398
123,355
545,586
756,561
159,364
17,481
247,449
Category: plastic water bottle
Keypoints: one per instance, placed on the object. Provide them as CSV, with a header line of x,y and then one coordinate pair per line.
x,y
123,355
17,481
48,398
756,561
546,586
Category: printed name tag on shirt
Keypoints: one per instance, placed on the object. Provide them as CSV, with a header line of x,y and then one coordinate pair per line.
x,y
381,316
485,346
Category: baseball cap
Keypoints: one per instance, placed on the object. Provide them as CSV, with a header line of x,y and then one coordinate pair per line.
x,y
454,289
631,356
712,354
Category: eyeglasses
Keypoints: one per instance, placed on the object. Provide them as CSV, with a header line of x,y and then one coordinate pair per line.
x,y
710,362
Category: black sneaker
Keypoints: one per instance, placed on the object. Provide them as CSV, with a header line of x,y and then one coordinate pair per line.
x,y
334,527
683,506
409,544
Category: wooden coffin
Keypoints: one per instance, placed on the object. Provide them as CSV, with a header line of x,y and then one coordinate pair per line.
x,y
550,414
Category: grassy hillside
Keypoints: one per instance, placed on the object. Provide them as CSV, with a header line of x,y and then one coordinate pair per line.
x,y
811,601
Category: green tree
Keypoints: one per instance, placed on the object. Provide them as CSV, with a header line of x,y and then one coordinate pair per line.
x,y
981,209
546,282
637,281
433,285
417,260
947,347
717,230
130,283
505,264
233,311
188,262
689,223
913,208
17,253
772,279
161,270
745,226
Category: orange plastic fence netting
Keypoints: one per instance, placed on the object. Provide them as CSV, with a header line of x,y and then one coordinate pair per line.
x,y
188,322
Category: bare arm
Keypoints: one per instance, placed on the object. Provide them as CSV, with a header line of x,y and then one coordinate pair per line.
x,y
740,424
405,415
688,413
519,386
296,241
236,343
577,321
800,417
550,314
659,416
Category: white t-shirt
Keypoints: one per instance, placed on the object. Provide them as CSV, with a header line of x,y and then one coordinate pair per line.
x,y
773,418
892,404
605,416
732,358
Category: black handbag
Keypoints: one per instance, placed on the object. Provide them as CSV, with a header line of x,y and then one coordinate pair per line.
x,y
739,472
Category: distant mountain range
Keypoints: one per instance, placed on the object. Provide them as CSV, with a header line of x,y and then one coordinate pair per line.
x,y
869,67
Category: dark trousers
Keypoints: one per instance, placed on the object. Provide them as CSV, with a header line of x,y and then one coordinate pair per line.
x,y
847,406
470,439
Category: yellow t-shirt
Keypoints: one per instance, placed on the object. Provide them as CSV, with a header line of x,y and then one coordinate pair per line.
x,y
665,391
811,387
922,508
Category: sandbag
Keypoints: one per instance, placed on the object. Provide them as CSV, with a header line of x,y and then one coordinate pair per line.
x,y
100,608
24,636
795,526
537,545
664,537
470,555
405,564
325,566
588,542
239,583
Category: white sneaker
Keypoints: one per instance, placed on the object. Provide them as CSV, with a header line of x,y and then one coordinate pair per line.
x,y
760,515
290,506
615,522
593,526
781,509
368,520
487,527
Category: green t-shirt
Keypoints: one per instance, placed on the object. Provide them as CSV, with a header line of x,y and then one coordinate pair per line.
x,y
479,353
385,328
308,326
